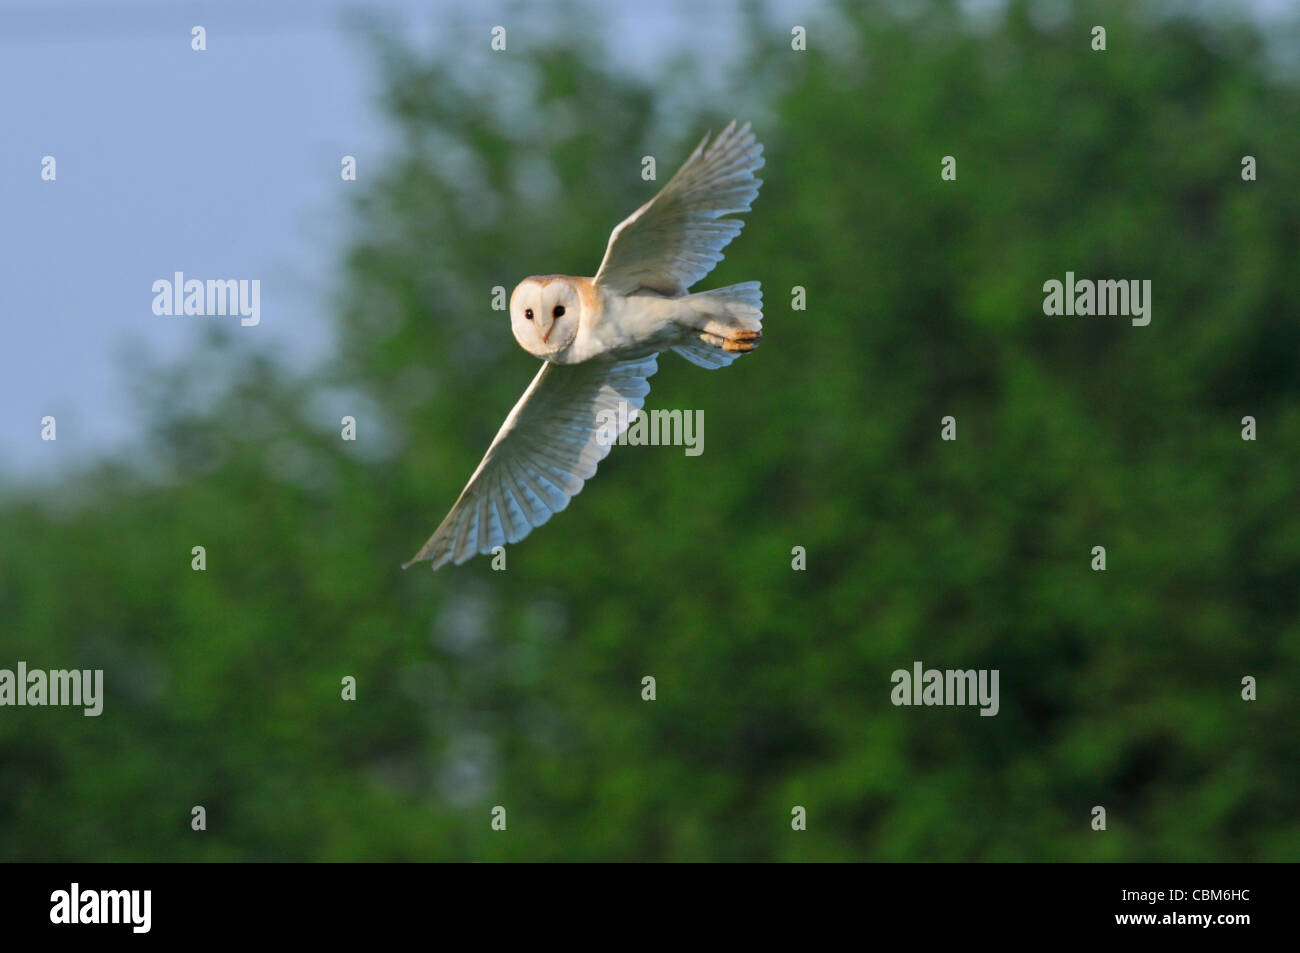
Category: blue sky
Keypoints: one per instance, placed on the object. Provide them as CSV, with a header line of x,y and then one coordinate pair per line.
x,y
220,164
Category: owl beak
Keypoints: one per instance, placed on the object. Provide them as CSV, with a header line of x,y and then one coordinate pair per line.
x,y
546,327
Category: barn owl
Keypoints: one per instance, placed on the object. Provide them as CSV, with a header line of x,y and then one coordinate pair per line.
x,y
599,339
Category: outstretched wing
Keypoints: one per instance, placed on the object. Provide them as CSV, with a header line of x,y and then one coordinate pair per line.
x,y
677,237
548,447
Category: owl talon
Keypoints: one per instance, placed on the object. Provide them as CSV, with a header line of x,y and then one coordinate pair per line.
x,y
742,342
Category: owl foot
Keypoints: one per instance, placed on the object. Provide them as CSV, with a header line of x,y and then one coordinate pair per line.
x,y
736,342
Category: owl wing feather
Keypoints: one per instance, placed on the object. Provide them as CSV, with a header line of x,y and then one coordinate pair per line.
x,y
677,237
548,447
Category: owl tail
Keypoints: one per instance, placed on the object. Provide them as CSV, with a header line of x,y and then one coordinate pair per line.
x,y
722,324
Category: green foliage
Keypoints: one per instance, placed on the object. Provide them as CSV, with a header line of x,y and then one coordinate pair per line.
x,y
522,688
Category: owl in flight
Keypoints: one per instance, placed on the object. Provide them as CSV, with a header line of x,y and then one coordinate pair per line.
x,y
599,338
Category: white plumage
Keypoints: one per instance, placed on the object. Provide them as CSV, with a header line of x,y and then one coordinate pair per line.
x,y
599,339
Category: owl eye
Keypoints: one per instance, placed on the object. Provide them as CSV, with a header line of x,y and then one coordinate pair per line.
x,y
559,311
529,314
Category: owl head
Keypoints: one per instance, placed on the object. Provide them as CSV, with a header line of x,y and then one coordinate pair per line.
x,y
544,314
